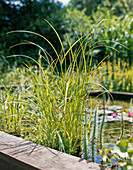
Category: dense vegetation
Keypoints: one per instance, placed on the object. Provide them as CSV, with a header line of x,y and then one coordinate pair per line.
x,y
76,19
109,24
54,109
51,57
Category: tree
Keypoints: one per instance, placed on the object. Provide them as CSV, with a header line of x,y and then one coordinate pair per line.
x,y
89,5
29,15
116,26
121,7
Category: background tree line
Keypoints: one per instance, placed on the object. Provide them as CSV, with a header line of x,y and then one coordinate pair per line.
x,y
29,15
76,19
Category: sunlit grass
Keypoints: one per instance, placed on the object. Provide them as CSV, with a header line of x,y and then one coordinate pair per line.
x,y
48,105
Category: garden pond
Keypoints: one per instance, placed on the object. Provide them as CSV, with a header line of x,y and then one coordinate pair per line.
x,y
118,122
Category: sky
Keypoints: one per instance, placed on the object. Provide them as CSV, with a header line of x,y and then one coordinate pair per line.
x,y
65,2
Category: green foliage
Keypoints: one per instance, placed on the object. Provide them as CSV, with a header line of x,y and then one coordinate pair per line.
x,y
50,102
122,152
89,5
78,19
49,107
3,61
116,75
78,25
120,6
113,34
29,15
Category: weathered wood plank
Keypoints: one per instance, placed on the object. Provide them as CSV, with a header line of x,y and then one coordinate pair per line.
x,y
116,95
19,154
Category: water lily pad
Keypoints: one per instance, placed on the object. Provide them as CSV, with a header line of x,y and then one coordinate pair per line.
x,y
106,111
121,148
114,107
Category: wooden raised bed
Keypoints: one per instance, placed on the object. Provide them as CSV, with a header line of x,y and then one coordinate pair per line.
x,y
116,95
19,154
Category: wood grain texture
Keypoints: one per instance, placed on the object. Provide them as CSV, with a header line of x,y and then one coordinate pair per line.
x,y
19,154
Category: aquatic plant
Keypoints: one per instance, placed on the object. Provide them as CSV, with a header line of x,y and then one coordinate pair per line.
x,y
114,115
121,155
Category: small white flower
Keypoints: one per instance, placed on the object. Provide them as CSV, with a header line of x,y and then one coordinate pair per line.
x,y
129,25
126,34
4,107
126,42
126,16
113,28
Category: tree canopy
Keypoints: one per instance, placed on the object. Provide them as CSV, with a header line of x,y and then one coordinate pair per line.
x,y
76,19
29,15
120,6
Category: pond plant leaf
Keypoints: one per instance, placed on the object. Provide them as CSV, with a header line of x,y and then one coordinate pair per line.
x,y
130,148
121,148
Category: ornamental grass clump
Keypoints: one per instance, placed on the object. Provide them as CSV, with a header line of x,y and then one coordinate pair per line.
x,y
51,108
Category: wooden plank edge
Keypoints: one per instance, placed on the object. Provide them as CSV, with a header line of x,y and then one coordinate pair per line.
x,y
29,156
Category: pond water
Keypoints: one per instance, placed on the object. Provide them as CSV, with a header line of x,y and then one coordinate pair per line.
x,y
124,104
115,126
